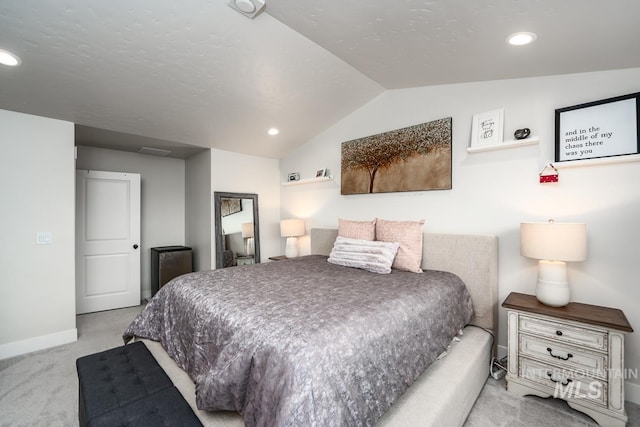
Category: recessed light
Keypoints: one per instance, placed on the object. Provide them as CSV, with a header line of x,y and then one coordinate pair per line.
x,y
273,131
522,38
8,58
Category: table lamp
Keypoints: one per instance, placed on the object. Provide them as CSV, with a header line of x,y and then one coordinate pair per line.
x,y
553,244
247,233
291,229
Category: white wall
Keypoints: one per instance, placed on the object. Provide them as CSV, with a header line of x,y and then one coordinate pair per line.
x,y
240,173
162,198
37,282
494,191
198,208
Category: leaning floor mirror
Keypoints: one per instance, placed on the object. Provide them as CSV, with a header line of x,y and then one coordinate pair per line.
x,y
237,228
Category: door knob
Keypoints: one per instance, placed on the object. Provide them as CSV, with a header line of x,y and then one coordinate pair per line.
x,y
135,246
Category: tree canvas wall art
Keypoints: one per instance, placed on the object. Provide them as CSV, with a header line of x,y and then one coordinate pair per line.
x,y
414,158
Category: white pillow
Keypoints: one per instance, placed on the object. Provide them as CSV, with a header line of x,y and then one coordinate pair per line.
x,y
376,257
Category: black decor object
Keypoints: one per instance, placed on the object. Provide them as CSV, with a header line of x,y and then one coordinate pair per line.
x,y
522,133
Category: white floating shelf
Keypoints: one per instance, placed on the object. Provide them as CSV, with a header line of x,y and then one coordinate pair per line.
x,y
310,180
507,144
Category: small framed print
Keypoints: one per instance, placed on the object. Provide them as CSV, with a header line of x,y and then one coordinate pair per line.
x,y
487,128
321,172
606,128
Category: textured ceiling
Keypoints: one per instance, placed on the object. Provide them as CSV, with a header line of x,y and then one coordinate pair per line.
x,y
421,43
197,73
190,71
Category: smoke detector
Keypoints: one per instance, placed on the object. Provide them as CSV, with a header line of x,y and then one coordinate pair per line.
x,y
249,8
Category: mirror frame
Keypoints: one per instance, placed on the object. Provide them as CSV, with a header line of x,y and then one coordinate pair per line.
x,y
217,197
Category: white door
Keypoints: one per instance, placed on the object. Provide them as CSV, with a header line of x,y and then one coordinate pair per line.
x,y
107,240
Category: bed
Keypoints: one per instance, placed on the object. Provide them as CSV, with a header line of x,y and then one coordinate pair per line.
x,y
320,377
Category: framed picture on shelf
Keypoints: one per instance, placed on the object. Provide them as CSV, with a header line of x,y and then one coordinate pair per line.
x,y
321,172
487,128
605,128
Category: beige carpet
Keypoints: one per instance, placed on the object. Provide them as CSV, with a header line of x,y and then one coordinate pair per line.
x,y
41,389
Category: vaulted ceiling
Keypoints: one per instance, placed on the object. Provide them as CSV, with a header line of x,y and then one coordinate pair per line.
x,y
196,73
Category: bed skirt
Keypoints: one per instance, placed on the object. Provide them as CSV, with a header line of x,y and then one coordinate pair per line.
x,y
442,395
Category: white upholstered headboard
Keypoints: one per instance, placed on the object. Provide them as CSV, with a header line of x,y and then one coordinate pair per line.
x,y
474,258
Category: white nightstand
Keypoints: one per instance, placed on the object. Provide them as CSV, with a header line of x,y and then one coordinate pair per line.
x,y
575,353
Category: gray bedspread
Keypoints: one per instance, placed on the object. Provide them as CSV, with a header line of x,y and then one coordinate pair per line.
x,y
303,342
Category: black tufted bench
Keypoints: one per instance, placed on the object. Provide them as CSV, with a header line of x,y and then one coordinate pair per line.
x,y
125,386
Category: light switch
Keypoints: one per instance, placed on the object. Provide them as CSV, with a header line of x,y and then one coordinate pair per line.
x,y
44,238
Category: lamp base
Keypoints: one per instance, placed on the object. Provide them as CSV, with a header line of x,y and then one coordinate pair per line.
x,y
291,250
251,248
552,288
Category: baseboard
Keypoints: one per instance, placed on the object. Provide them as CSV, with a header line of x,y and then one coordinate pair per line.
x,y
42,342
631,390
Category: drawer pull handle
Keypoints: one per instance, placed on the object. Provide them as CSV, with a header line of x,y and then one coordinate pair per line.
x,y
569,355
565,383
559,333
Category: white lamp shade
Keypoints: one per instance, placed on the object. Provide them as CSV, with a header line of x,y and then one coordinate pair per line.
x,y
247,229
292,227
553,241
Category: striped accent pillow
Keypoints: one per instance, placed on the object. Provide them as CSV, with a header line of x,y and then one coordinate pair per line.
x,y
376,257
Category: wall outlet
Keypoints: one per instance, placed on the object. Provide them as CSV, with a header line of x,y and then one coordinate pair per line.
x,y
44,238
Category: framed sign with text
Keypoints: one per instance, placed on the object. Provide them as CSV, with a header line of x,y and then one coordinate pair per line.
x,y
606,128
486,128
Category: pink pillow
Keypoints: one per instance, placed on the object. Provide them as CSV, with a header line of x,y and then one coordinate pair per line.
x,y
409,235
362,230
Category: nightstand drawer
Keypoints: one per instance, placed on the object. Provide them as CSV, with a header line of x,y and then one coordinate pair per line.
x,y
597,340
551,351
564,383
